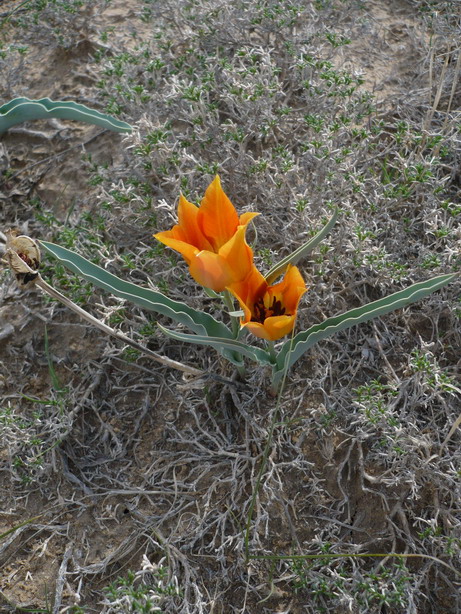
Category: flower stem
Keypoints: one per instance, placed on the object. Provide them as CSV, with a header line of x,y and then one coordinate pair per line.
x,y
271,350
229,303
235,323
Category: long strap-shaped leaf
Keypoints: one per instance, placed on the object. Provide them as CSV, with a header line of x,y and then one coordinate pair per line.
x,y
299,253
231,345
20,110
295,348
198,321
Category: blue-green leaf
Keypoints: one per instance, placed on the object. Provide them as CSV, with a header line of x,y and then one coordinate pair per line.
x,y
232,347
198,321
304,340
23,109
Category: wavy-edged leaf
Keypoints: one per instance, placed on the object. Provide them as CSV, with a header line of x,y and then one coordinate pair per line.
x,y
198,321
304,340
304,249
20,110
228,345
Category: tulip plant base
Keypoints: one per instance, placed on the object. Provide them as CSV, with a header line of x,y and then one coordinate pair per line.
x,y
122,481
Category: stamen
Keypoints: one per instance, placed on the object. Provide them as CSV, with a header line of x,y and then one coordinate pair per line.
x,y
261,312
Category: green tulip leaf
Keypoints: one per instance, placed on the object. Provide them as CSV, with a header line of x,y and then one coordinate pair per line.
x,y
197,321
299,253
230,348
294,348
23,109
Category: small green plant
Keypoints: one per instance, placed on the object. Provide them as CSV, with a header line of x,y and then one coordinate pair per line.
x,y
30,440
331,583
435,377
142,592
373,399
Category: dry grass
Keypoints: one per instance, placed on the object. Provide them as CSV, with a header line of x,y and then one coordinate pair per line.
x,y
146,490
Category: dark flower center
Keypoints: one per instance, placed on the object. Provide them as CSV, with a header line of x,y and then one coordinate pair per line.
x,y
261,312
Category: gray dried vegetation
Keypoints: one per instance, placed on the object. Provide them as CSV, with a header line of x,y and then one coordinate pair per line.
x,y
127,487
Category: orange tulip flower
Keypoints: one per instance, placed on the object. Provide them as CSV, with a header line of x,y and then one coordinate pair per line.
x,y
269,311
211,238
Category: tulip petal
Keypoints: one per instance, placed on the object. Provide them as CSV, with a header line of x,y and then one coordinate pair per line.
x,y
257,329
288,291
279,326
246,218
293,288
238,254
188,227
217,217
210,270
274,328
248,291
168,238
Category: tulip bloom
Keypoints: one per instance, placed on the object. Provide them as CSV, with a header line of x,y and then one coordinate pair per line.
x,y
269,311
211,239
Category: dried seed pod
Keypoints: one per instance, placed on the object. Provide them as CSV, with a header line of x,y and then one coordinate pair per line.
x,y
23,256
